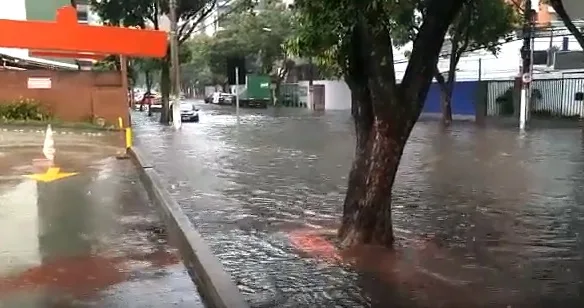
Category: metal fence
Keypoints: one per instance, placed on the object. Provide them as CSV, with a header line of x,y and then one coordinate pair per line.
x,y
553,97
290,95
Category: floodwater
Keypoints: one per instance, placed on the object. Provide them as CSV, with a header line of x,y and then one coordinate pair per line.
x,y
484,217
89,240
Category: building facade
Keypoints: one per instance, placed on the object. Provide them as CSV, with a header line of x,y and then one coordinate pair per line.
x,y
44,10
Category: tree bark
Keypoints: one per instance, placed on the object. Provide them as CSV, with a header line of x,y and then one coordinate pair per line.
x,y
558,6
165,92
385,114
148,79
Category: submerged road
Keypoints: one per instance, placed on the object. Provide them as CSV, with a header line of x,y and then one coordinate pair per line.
x,y
92,239
486,214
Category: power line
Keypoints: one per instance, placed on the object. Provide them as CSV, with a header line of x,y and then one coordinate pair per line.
x,y
494,45
220,17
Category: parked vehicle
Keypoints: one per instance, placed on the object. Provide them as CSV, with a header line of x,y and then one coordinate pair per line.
x,y
220,98
150,101
188,112
257,92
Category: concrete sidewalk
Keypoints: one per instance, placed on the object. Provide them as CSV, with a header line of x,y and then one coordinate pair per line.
x,y
90,239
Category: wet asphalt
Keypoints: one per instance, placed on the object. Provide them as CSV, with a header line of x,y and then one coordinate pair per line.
x,y
89,240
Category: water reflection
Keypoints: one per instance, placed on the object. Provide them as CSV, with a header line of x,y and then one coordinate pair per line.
x,y
63,209
18,212
484,213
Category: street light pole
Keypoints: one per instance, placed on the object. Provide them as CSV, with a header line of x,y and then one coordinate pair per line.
x,y
526,55
174,61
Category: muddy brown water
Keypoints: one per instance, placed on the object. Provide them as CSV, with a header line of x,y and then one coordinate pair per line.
x,y
484,217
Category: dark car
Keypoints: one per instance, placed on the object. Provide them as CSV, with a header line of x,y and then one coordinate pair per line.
x,y
188,112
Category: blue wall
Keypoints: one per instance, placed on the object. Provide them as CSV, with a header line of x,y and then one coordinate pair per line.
x,y
463,98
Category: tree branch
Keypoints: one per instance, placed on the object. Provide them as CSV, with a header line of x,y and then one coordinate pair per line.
x,y
558,6
440,79
185,34
425,52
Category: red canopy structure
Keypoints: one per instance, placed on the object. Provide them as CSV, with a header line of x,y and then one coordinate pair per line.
x,y
67,38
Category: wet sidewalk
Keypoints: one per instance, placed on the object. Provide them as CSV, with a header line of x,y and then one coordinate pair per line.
x,y
91,239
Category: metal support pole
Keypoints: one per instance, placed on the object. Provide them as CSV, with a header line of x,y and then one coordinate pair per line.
x,y
124,73
174,61
480,69
526,76
237,93
310,84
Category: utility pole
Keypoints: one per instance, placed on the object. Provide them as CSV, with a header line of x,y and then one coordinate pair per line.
x,y
310,84
174,62
526,55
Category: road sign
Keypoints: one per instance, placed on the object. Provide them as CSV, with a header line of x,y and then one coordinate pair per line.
x,y
53,174
526,78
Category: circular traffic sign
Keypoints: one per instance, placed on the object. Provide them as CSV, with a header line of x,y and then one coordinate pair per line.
x,y
526,78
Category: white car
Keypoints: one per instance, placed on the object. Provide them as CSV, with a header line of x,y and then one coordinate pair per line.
x,y
220,98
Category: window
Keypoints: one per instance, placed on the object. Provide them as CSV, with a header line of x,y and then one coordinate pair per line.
x,y
540,57
82,16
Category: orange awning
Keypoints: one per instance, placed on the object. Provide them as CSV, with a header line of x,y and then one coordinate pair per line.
x,y
67,37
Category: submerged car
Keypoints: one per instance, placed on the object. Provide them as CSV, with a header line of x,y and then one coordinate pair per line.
x,y
189,112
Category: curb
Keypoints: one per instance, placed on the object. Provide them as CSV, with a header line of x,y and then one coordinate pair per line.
x,y
215,285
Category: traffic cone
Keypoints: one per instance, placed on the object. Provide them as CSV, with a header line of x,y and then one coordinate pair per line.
x,y
49,145
40,165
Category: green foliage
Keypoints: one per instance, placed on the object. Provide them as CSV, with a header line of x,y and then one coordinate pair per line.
x,y
257,34
483,24
146,13
109,63
506,100
24,109
324,32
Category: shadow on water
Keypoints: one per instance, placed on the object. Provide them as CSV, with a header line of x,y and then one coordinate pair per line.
x,y
489,214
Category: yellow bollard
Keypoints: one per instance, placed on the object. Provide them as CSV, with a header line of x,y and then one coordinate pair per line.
x,y
120,123
128,138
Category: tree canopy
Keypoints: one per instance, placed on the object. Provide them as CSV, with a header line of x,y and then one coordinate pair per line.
x,y
481,24
148,13
256,32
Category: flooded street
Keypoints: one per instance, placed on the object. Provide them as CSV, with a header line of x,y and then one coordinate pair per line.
x,y
88,239
487,214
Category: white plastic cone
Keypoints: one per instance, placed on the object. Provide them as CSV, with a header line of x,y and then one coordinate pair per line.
x,y
49,144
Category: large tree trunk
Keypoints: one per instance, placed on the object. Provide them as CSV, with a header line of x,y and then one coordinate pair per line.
x,y
558,6
165,92
385,114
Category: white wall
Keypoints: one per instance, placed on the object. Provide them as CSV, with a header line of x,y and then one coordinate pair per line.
x,y
337,95
15,10
504,66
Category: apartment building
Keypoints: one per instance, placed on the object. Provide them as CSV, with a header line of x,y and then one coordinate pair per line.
x,y
31,10
46,9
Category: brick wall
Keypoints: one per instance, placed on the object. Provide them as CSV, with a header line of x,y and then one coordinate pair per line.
x,y
74,96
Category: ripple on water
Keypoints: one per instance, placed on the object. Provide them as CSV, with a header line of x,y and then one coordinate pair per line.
x,y
495,218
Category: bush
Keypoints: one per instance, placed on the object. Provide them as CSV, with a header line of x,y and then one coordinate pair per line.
x,y
23,109
505,100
